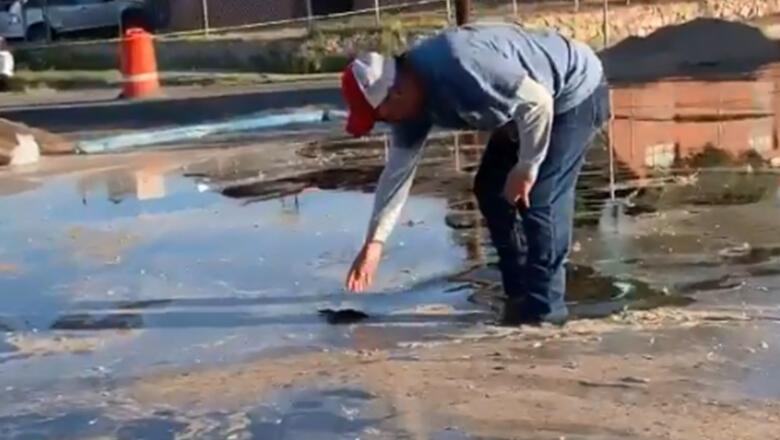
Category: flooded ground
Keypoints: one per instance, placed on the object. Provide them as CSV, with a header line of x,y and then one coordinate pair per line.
x,y
177,293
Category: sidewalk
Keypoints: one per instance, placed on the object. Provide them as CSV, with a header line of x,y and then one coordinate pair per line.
x,y
48,81
87,113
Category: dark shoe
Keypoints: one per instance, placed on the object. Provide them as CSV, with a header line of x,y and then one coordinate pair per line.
x,y
518,312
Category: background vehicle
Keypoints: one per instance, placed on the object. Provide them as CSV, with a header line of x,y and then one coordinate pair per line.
x,y
67,16
6,65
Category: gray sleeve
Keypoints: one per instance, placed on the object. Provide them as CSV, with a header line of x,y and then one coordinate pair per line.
x,y
404,154
534,117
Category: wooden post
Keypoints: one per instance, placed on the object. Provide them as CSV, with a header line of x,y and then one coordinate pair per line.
x,y
462,11
376,12
514,8
576,5
720,119
474,247
457,152
205,9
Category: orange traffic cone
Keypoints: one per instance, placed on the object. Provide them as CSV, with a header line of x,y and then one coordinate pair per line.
x,y
138,65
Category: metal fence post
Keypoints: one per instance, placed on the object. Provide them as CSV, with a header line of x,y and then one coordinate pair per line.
x,y
24,21
605,24
205,9
611,147
309,15
376,11
46,21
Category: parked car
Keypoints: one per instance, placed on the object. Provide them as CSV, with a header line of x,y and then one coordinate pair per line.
x,y
67,16
6,65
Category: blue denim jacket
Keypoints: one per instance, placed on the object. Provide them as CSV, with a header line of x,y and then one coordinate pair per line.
x,y
472,73
482,77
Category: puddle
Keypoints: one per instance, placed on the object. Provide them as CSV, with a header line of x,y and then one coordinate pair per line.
x,y
319,414
589,293
289,414
356,179
81,424
163,274
747,353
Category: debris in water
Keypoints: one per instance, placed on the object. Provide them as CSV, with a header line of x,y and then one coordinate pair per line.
x,y
343,316
593,384
571,365
635,380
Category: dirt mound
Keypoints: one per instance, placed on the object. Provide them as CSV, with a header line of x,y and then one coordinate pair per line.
x,y
701,46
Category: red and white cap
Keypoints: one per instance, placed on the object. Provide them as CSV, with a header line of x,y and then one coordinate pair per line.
x,y
365,84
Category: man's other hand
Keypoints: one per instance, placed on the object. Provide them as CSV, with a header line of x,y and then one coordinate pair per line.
x,y
361,275
517,189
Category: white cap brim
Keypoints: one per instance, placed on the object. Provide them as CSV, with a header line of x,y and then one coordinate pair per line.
x,y
375,74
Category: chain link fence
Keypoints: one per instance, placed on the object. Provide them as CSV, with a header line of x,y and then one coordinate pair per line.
x,y
223,15
43,21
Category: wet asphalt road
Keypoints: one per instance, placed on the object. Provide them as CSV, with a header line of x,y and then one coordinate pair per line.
x,y
116,268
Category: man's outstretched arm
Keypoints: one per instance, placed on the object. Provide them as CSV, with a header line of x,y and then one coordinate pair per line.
x,y
391,194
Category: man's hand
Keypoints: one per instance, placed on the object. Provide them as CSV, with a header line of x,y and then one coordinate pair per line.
x,y
517,189
361,275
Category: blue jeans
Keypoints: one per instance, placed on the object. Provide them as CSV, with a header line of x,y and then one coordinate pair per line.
x,y
536,279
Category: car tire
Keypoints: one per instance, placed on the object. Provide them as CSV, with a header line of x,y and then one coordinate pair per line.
x,y
37,33
5,84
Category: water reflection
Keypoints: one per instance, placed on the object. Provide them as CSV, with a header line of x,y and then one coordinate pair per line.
x,y
164,274
87,423
145,182
658,125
